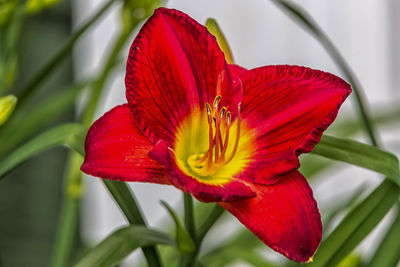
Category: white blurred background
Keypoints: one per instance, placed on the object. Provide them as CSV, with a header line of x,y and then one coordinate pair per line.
x,y
259,34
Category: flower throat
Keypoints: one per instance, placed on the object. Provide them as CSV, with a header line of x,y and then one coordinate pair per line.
x,y
209,162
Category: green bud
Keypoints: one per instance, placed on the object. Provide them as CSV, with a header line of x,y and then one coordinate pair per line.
x,y
214,29
35,6
134,11
7,105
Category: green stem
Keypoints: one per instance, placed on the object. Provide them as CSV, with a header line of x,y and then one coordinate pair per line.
x,y
214,215
127,203
69,213
189,216
336,56
31,87
189,259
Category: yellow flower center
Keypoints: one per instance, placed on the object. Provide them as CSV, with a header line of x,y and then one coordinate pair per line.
x,y
212,148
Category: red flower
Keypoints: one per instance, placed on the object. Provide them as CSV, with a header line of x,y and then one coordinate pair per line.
x,y
219,132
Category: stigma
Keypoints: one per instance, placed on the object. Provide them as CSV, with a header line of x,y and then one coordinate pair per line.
x,y
219,124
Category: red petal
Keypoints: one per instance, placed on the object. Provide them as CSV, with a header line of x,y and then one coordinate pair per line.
x,y
237,70
232,190
174,67
283,215
116,149
290,107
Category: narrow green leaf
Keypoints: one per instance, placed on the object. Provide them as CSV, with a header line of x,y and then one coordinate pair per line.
x,y
71,135
362,231
343,203
120,244
184,242
302,16
356,225
214,29
359,154
388,252
125,200
311,165
352,260
350,126
31,87
27,121
127,203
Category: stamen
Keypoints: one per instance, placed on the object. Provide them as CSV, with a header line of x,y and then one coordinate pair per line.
x,y
215,159
222,113
210,140
228,125
237,138
208,109
216,101
210,137
217,124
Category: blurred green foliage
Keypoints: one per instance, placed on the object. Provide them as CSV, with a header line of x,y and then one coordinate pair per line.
x,y
30,197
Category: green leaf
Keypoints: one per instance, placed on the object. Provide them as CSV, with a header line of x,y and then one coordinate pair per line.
x,y
356,225
311,165
27,121
127,203
71,135
388,252
120,244
352,260
214,29
359,154
184,241
343,203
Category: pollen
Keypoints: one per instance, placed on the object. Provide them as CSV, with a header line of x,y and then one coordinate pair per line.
x,y
210,146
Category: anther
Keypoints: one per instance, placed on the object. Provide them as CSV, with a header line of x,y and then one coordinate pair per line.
x,y
208,109
222,113
216,101
237,137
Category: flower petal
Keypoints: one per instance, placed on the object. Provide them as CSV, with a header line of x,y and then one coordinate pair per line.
x,y
174,67
289,107
284,216
229,189
237,70
116,149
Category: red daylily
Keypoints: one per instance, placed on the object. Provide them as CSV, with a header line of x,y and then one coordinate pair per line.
x,y
219,132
